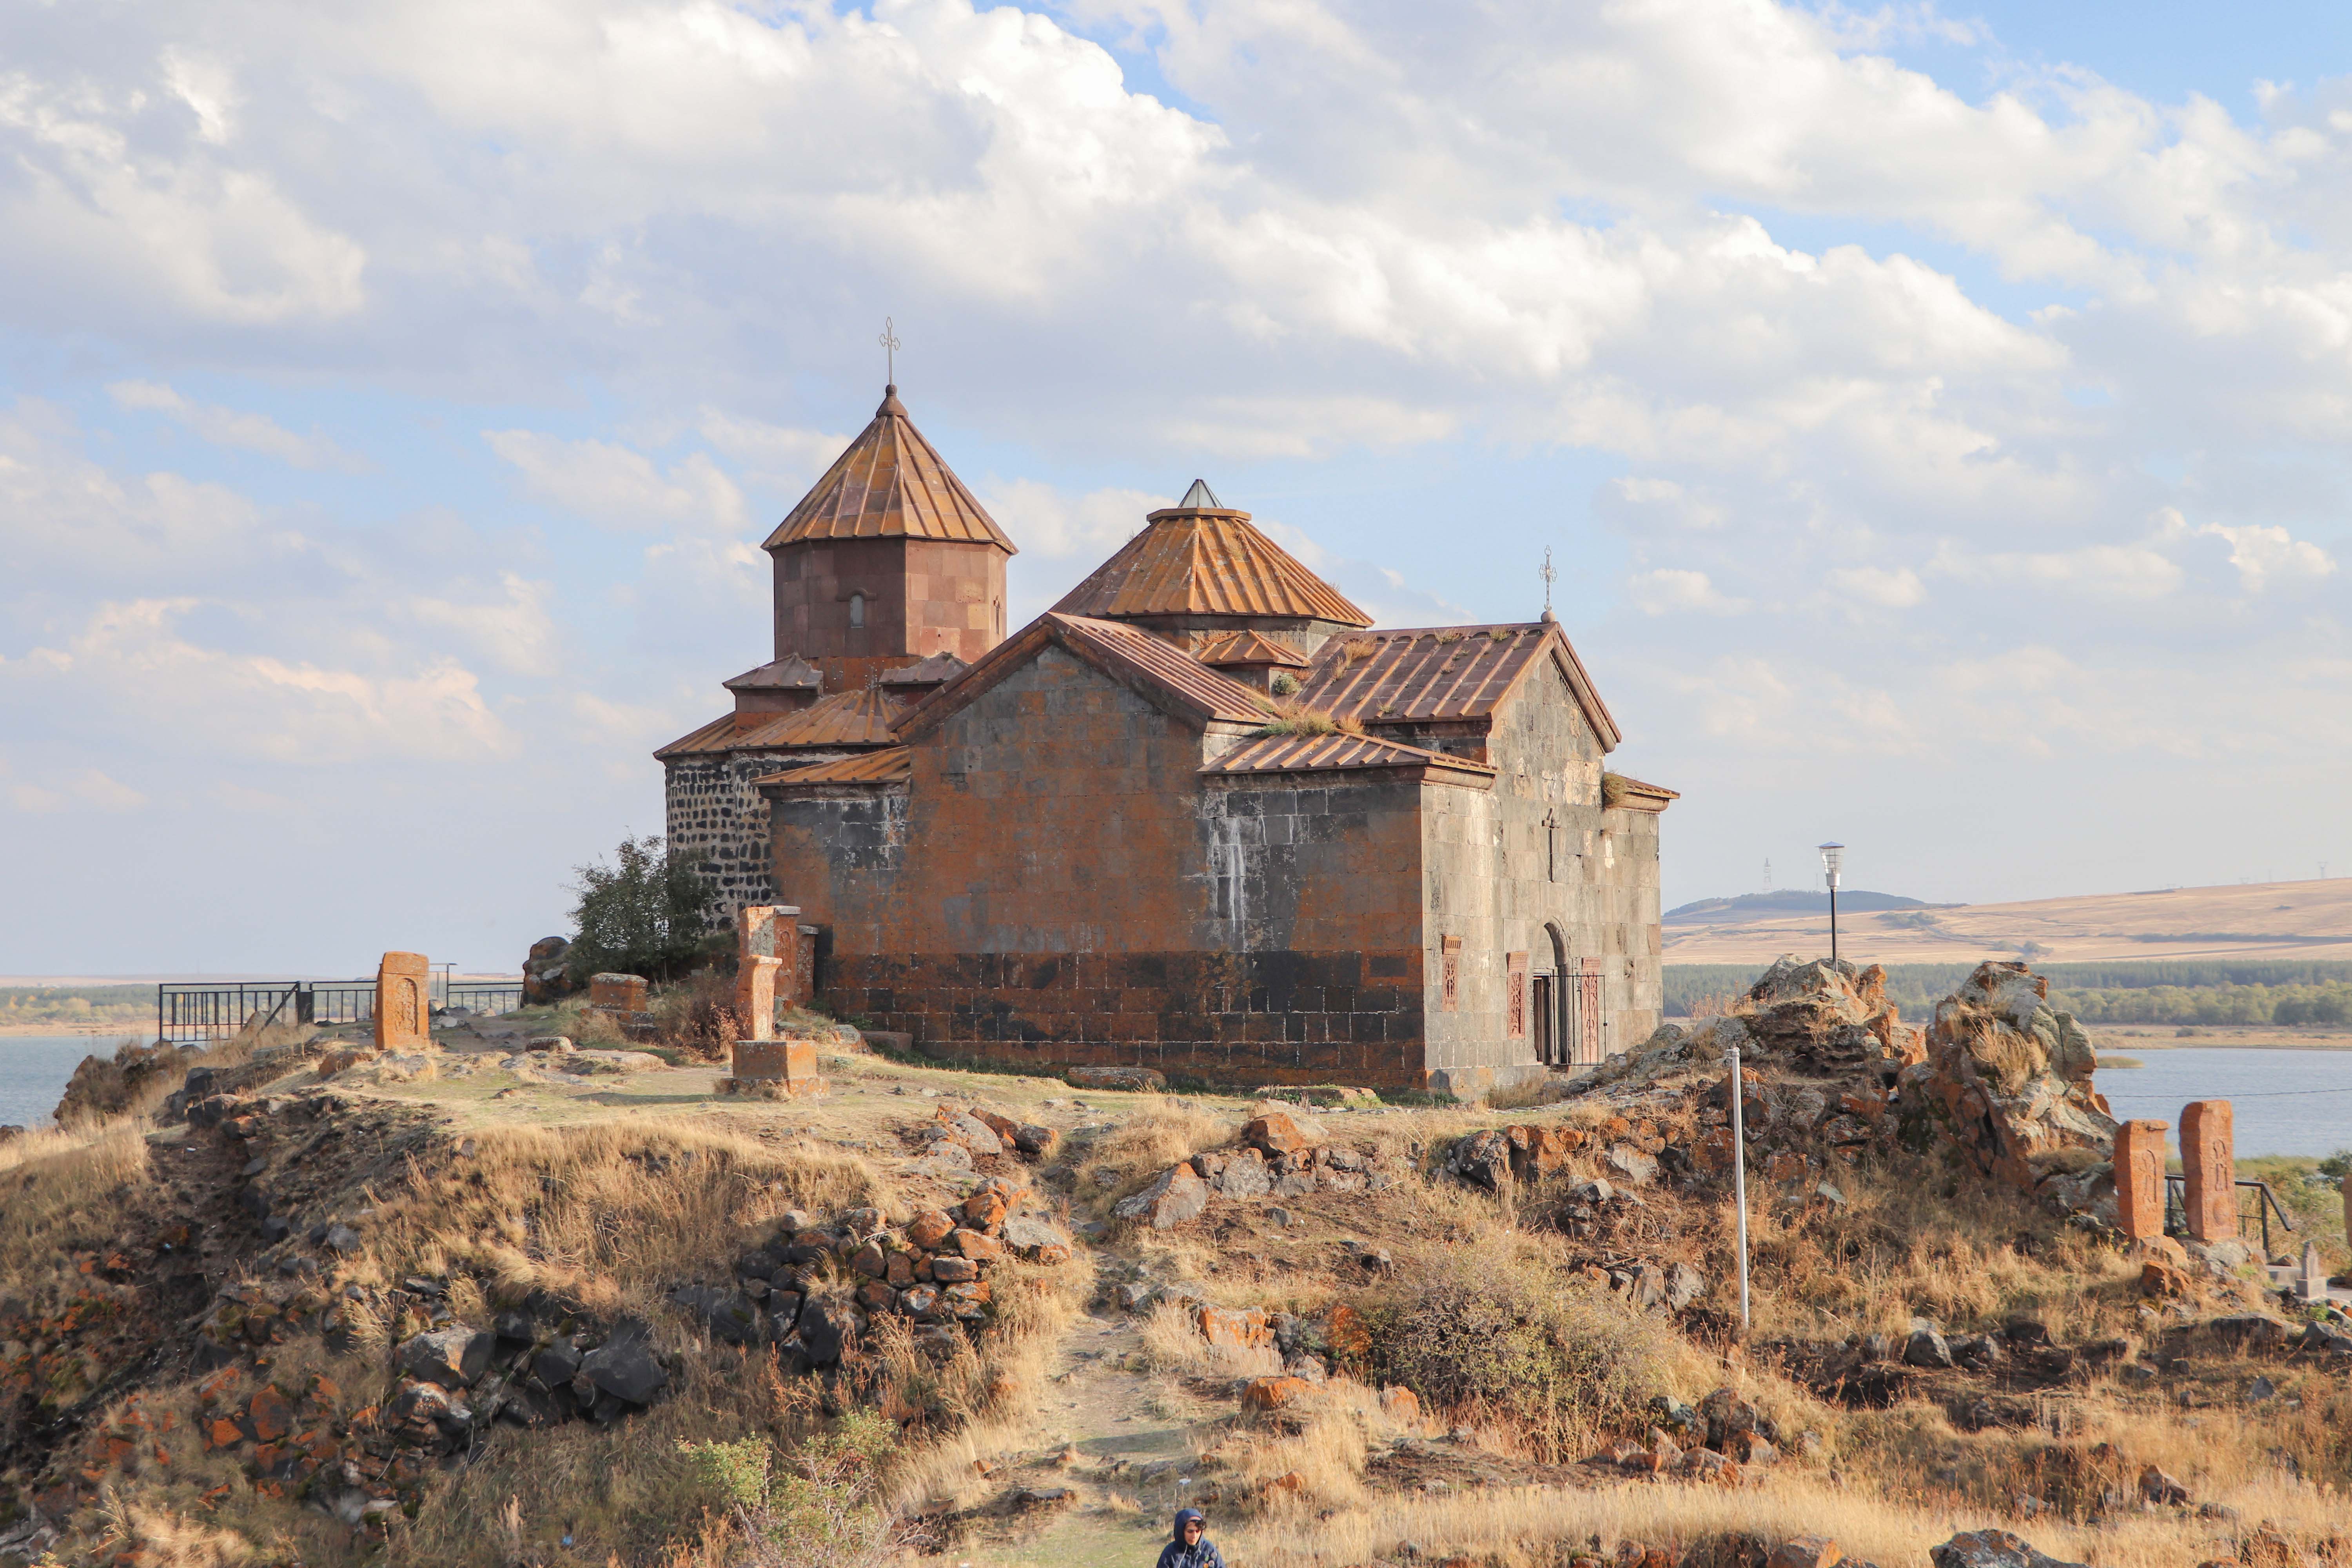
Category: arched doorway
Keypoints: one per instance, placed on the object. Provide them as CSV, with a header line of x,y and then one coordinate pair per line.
x,y
1551,994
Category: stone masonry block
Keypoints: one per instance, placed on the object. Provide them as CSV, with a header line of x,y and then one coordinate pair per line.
x,y
2139,1178
2208,1154
404,1001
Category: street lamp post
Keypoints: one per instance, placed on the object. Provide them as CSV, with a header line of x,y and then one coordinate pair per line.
x,y
1833,857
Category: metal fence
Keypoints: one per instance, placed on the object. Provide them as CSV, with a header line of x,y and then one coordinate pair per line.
x,y
197,1010
2257,1206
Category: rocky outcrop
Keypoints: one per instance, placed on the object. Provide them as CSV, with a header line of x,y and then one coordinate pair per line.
x,y
2007,1083
545,980
1829,1019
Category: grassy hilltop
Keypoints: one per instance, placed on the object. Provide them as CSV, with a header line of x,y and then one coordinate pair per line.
x,y
483,1304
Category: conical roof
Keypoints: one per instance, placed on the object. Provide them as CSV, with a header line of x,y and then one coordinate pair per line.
x,y
1206,560
890,484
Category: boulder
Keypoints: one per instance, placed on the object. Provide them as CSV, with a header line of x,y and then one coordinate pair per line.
x,y
1243,1173
1926,1348
976,1136
2007,1082
1482,1158
1537,1151
1135,1080
1632,1163
1272,1392
1177,1197
544,977
1036,1240
1805,1551
978,1245
1401,1405
624,1366
453,1358
930,1227
1276,1133
1234,1328
1685,1285
1827,1018
1992,1549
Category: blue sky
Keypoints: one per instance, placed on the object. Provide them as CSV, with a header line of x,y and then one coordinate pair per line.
x,y
1936,416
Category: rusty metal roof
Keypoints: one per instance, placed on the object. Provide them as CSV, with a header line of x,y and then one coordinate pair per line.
x,y
1248,648
1647,797
1333,753
1164,675
893,764
890,484
846,719
790,672
937,670
1206,560
1436,673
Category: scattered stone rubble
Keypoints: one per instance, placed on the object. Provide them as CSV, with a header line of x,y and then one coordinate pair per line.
x,y
816,1290
1277,1156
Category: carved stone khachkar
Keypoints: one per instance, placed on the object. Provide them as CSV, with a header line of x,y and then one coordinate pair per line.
x,y
766,962
2139,1178
404,1001
2208,1154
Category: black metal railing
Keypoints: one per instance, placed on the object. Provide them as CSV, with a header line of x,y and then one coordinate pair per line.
x,y
485,996
197,1010
2264,1205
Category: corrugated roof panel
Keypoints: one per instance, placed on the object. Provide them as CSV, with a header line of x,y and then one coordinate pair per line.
x,y
1248,648
1205,563
1446,672
890,483
894,764
1332,753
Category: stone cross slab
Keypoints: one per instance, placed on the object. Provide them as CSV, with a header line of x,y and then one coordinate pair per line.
x,y
768,966
2139,1178
2209,1156
404,1001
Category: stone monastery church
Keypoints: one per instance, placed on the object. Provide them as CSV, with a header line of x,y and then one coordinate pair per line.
x,y
1198,816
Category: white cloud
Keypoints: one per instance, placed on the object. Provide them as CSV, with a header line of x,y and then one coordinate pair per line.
x,y
619,488
228,427
1897,588
1047,522
2129,572
2266,556
1667,591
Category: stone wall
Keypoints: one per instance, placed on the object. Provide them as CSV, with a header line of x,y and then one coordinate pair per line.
x,y
1536,859
922,596
1056,885
716,819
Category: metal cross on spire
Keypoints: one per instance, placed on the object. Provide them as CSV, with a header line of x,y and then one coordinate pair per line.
x,y
891,347
1548,574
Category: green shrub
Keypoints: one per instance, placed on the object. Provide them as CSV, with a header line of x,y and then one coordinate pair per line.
x,y
647,914
1501,1339
820,1508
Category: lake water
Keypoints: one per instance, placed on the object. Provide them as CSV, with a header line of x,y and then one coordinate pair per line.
x,y
2281,1102
34,1069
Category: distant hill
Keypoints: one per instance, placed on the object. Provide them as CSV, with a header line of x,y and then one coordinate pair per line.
x,y
1790,901
2272,921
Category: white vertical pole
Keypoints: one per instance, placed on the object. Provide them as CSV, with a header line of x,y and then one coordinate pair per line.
x,y
1740,1176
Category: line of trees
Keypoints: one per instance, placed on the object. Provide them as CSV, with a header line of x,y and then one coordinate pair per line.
x,y
2291,991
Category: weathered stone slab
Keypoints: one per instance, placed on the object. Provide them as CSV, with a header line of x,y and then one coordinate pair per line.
x,y
2139,1178
618,992
775,1070
404,1001
2209,1156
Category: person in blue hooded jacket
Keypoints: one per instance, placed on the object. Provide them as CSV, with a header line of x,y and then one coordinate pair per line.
x,y
1191,1548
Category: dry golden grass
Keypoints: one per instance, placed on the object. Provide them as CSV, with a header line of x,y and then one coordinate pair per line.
x,y
1152,1136
1172,1345
165,1540
601,1212
1315,1459
1527,1527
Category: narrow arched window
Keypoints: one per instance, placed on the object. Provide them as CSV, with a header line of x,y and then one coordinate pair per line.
x,y
856,611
